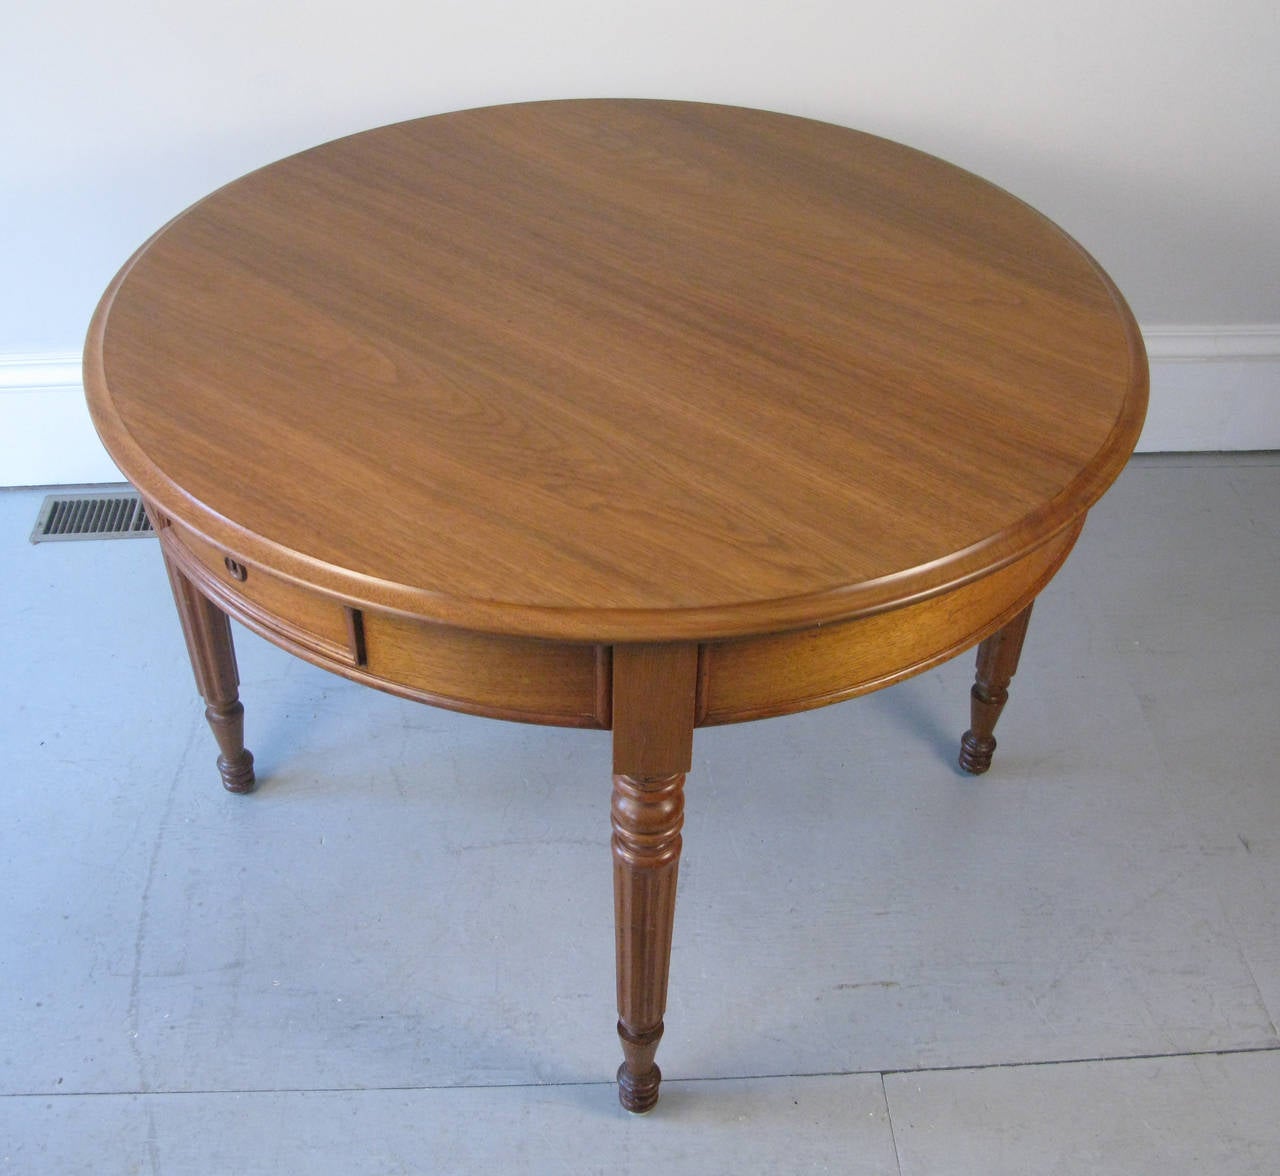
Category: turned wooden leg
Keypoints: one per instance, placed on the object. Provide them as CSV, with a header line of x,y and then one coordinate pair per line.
x,y
997,663
213,658
654,689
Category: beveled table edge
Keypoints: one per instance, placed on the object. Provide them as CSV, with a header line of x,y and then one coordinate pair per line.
x,y
605,625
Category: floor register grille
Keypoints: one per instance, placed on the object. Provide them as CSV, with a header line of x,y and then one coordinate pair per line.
x,y
100,515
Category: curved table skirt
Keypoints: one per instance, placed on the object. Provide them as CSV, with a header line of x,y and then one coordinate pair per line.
x,y
569,684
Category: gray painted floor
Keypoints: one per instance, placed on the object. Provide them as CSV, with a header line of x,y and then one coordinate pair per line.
x,y
397,955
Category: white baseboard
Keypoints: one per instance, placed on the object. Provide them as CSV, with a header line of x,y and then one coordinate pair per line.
x,y
1212,389
46,437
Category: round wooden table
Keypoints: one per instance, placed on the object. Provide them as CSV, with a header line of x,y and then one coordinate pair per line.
x,y
633,415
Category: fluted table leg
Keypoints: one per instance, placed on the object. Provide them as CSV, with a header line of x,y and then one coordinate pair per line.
x,y
997,663
654,689
213,659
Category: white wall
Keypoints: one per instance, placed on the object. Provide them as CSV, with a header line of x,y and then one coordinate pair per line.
x,y
1147,128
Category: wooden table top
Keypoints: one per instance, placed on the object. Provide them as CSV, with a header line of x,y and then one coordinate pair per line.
x,y
618,370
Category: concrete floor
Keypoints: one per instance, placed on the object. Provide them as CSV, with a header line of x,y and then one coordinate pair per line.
x,y
397,955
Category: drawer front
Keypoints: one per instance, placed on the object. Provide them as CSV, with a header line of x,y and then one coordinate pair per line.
x,y
560,683
757,677
264,601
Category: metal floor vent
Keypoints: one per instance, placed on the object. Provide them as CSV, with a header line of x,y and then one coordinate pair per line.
x,y
113,515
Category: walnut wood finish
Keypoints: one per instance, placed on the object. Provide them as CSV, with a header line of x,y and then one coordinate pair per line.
x,y
213,658
997,663
617,371
622,414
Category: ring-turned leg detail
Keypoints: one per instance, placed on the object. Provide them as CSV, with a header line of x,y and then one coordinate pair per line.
x,y
647,815
997,663
235,761
213,660
654,699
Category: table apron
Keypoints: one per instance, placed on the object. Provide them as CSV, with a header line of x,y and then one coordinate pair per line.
x,y
777,674
562,683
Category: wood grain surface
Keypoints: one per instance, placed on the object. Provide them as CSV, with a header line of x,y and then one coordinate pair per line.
x,y
616,371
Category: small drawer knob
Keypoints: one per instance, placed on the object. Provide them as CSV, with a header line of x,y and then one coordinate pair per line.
x,y
237,571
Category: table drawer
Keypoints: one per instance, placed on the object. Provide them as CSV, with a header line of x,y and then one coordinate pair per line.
x,y
263,600
562,683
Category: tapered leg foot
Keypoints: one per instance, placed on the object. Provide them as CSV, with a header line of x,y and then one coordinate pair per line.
x,y
213,660
235,764
639,1076
976,751
997,663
